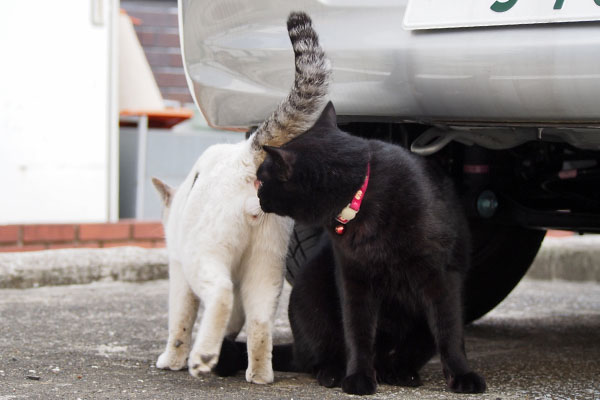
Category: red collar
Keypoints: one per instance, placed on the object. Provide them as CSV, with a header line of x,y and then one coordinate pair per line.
x,y
350,211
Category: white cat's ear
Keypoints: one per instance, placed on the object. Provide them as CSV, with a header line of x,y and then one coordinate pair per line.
x,y
166,192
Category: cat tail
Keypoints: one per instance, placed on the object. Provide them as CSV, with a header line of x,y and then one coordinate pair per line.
x,y
308,96
234,357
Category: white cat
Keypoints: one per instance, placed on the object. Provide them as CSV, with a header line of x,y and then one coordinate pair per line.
x,y
223,250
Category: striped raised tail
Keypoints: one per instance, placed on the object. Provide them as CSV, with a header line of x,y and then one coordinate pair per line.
x,y
309,93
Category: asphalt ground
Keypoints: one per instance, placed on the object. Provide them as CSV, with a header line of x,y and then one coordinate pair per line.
x,y
101,340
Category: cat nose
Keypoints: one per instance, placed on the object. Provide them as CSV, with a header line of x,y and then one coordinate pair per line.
x,y
257,184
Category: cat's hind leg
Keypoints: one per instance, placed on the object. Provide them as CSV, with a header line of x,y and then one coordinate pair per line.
x,y
233,356
443,309
261,286
316,319
212,282
183,308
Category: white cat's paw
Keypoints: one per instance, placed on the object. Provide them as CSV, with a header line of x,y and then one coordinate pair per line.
x,y
260,376
171,360
201,363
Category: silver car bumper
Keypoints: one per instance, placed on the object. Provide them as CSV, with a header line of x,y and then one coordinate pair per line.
x,y
239,65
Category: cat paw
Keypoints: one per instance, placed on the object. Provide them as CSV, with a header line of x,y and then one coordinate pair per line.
x,y
467,383
359,383
260,376
201,363
171,360
330,376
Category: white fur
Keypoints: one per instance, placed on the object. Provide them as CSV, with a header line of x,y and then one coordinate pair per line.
x,y
224,251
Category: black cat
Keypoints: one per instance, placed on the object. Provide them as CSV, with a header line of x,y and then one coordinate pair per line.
x,y
384,293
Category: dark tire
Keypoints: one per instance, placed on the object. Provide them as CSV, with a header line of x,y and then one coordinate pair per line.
x,y
303,244
501,256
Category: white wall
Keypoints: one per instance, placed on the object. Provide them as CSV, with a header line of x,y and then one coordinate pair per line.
x,y
58,118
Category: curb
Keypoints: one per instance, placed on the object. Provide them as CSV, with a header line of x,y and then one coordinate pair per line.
x,y
574,258
80,266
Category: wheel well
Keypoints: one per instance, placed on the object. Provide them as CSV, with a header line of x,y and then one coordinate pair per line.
x,y
538,184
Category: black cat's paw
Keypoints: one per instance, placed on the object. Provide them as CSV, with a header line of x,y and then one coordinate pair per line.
x,y
360,383
231,359
470,382
409,379
330,376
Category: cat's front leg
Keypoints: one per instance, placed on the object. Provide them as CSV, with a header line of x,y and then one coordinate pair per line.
x,y
216,293
183,308
442,297
359,310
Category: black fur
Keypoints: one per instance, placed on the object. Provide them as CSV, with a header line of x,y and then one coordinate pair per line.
x,y
377,302
234,357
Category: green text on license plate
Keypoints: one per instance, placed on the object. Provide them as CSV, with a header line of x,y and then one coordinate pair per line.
x,y
436,14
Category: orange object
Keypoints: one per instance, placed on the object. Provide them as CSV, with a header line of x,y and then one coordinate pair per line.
x,y
165,118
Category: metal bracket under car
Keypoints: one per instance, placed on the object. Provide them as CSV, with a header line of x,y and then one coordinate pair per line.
x,y
501,138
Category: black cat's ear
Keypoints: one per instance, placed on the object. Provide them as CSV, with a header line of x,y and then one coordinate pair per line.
x,y
284,161
328,118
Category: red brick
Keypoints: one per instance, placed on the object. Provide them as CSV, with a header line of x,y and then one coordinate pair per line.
x,y
148,230
9,233
163,57
160,243
104,231
90,245
48,233
175,60
555,233
146,244
146,38
61,246
157,59
139,243
167,39
173,79
118,243
27,247
156,19
73,245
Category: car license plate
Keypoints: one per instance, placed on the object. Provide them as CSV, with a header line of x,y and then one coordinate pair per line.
x,y
438,14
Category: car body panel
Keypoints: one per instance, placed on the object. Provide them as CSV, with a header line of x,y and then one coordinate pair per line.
x,y
240,65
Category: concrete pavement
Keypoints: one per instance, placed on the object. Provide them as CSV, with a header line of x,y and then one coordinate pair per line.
x,y
574,258
79,266
100,341
91,323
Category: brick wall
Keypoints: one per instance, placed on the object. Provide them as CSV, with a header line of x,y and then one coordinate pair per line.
x,y
159,35
59,236
124,233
